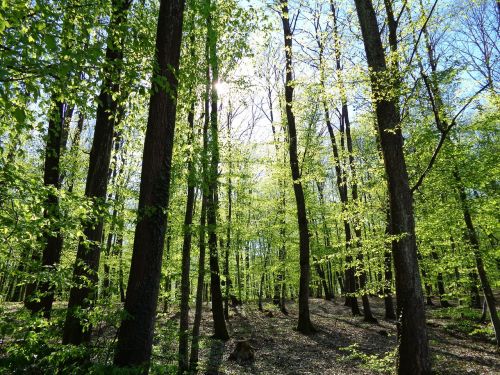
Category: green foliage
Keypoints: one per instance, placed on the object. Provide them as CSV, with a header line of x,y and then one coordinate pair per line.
x,y
55,51
384,364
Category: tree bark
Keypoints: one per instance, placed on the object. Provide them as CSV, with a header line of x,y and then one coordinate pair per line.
x,y
474,242
87,259
304,322
135,336
186,253
413,352
41,298
220,329
340,169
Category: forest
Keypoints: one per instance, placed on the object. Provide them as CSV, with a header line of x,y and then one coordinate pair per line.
x,y
249,187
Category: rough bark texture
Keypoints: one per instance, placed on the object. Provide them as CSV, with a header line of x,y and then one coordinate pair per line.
x,y
413,352
88,254
304,323
135,337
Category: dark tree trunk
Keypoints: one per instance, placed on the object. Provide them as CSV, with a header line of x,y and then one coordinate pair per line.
x,y
87,259
324,281
304,323
193,358
340,169
440,283
229,219
41,298
186,253
474,242
119,245
167,286
279,282
413,352
367,312
220,329
475,299
135,336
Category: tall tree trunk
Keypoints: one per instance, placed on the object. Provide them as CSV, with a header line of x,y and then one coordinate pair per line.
x,y
304,322
52,237
195,348
193,358
340,169
115,175
220,330
367,312
186,251
279,283
87,258
474,242
229,219
135,336
413,352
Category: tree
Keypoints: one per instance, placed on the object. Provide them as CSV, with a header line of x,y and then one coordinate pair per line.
x,y
220,330
135,336
304,323
89,247
413,352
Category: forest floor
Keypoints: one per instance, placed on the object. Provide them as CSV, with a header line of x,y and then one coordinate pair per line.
x,y
344,344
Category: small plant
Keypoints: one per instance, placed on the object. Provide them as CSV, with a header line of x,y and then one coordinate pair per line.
x,y
383,364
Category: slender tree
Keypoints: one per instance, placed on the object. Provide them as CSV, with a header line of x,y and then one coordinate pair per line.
x,y
413,351
220,329
89,247
53,240
186,248
304,323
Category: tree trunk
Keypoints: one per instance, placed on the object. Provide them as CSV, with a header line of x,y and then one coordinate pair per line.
x,y
52,238
193,358
135,337
304,323
440,283
340,169
220,330
413,352
388,302
279,282
474,242
87,259
186,252
115,175
229,219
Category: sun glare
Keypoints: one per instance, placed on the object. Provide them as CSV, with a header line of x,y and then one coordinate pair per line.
x,y
222,88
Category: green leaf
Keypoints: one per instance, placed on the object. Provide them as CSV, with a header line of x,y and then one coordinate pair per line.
x,y
51,42
19,114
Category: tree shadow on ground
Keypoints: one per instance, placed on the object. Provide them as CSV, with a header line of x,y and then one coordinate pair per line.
x,y
215,357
